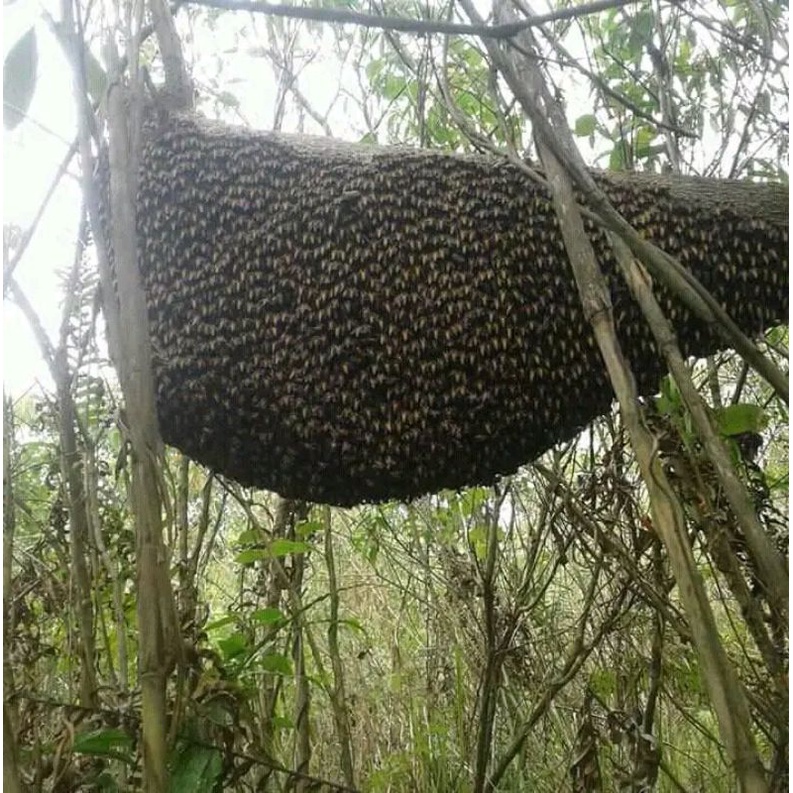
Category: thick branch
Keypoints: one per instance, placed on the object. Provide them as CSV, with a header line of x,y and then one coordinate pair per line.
x,y
178,85
725,692
769,561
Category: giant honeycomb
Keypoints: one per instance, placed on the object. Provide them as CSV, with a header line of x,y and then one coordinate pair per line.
x,y
344,323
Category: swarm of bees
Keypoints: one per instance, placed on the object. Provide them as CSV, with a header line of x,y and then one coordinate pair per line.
x,y
342,323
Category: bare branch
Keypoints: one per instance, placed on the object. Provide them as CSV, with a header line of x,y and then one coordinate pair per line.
x,y
178,85
417,26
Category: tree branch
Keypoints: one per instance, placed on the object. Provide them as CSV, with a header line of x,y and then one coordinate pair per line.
x,y
721,680
178,85
404,25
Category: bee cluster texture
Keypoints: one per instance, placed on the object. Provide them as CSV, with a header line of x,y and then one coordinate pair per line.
x,y
344,323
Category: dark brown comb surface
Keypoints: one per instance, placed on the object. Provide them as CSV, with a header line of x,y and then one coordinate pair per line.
x,y
344,323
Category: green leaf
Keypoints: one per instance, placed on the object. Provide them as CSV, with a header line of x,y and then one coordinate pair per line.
x,y
276,663
307,528
617,157
251,555
644,137
477,539
196,770
280,548
221,622
366,541
472,501
275,550
779,335
233,646
249,536
669,403
105,743
603,682
267,616
585,125
351,622
19,79
374,69
385,83
738,419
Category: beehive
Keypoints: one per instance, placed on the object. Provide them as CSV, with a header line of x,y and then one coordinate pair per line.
x,y
342,323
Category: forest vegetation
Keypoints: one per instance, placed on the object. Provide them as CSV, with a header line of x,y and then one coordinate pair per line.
x,y
611,616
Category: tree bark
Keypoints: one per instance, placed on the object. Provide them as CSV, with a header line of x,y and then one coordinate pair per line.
x,y
125,311
338,692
